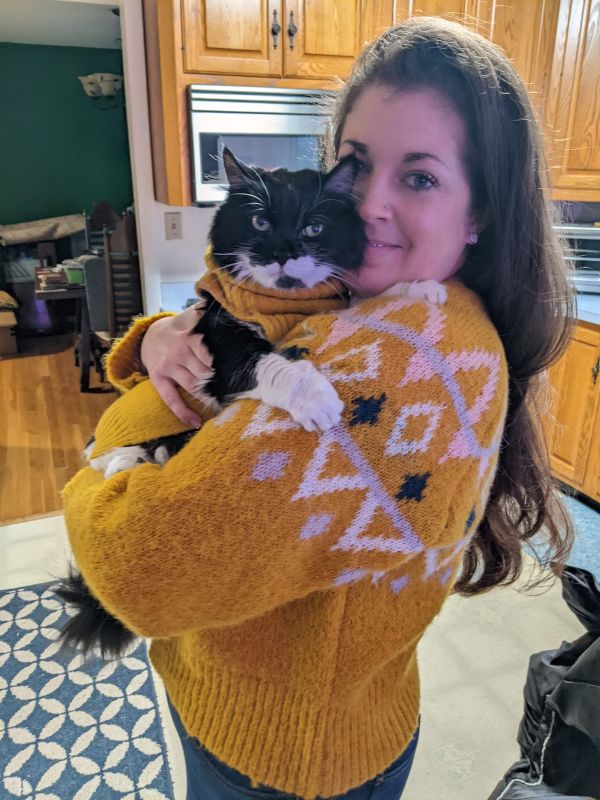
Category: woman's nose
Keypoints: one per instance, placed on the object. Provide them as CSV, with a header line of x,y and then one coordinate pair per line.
x,y
373,202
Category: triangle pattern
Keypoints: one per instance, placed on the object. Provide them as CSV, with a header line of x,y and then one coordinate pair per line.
x,y
314,484
353,540
268,420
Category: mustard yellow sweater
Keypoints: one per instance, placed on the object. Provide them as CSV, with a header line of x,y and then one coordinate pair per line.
x,y
286,577
137,415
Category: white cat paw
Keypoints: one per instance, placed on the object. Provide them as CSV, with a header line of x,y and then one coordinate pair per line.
x,y
312,400
119,464
432,291
119,459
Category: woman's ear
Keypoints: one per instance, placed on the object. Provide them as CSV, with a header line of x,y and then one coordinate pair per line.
x,y
478,222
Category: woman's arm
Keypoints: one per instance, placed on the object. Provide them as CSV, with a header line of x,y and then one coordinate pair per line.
x,y
255,512
161,348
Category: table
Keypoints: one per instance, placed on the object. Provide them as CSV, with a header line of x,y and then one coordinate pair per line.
x,y
82,324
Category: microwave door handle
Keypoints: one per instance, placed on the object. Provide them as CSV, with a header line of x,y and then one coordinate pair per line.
x,y
292,30
275,29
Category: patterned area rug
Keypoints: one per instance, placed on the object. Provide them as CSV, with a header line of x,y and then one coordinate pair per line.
x,y
69,730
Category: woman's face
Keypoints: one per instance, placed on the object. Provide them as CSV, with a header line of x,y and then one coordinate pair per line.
x,y
412,186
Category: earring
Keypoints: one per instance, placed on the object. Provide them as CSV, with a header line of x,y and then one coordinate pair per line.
x,y
473,238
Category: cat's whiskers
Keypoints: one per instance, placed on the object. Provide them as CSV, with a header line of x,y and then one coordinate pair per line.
x,y
263,184
259,201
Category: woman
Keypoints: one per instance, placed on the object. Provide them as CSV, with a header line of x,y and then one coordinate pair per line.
x,y
286,578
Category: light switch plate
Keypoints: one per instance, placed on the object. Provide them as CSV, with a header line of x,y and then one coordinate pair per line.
x,y
173,225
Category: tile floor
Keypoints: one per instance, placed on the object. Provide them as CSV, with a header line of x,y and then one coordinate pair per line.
x,y
473,664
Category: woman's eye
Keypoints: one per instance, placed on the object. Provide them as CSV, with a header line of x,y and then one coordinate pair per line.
x,y
260,223
361,167
313,230
419,181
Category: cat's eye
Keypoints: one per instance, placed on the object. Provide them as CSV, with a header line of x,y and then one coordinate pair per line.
x,y
313,230
260,223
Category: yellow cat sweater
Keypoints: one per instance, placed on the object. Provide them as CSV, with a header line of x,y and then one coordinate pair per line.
x,y
137,415
286,577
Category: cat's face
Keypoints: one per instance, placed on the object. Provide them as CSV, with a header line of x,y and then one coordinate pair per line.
x,y
288,230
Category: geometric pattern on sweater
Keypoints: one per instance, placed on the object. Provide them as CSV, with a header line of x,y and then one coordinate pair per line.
x,y
396,444
428,362
366,409
440,563
376,499
369,371
268,420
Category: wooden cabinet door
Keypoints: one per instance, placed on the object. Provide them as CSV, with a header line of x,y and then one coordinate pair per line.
x,y
575,406
524,30
573,105
464,11
329,34
591,482
231,37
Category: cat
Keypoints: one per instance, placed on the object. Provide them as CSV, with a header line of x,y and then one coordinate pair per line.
x,y
282,230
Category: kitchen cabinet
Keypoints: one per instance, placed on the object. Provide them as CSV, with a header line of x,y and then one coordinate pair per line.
x,y
278,38
231,42
591,485
554,45
573,103
573,427
524,30
231,37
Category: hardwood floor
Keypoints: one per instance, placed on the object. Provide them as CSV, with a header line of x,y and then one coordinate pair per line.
x,y
45,422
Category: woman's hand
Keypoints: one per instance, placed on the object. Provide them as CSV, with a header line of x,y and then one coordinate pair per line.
x,y
173,358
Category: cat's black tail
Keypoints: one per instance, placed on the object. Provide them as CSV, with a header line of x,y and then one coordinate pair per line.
x,y
92,628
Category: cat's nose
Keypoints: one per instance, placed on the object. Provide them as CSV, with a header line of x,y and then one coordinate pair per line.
x,y
284,253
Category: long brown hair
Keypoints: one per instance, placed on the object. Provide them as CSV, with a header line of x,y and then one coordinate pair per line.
x,y
517,268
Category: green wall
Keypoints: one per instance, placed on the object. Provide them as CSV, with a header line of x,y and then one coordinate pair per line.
x,y
60,152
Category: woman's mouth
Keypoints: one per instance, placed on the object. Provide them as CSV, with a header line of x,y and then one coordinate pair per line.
x,y
381,244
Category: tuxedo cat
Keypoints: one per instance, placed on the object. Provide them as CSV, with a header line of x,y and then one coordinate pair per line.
x,y
283,230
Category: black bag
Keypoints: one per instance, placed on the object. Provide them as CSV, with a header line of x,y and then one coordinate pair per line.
x,y
559,734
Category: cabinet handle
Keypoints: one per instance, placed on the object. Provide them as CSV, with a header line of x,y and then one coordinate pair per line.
x,y
292,30
275,29
596,371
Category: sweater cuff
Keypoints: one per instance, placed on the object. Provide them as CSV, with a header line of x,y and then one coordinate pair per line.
x,y
124,368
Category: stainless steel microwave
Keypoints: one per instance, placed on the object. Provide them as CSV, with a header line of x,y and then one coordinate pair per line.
x,y
583,242
266,127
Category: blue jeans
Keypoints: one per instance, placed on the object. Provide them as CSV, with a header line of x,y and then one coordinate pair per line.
x,y
211,779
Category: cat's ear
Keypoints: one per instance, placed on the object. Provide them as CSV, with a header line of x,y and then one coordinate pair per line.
x,y
237,172
341,178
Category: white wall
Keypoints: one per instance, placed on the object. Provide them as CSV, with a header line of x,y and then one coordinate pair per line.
x,y
162,260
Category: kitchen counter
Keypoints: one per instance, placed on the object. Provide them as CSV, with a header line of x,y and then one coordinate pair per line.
x,y
588,308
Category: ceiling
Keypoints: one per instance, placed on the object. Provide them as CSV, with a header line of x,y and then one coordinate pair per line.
x,y
67,23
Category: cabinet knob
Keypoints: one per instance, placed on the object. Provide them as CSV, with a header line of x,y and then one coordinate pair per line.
x,y
596,371
292,30
275,29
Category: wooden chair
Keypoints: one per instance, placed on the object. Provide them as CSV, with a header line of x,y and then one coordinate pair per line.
x,y
103,216
122,269
113,289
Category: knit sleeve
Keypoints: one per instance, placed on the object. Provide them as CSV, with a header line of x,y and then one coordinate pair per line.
x,y
124,368
256,512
